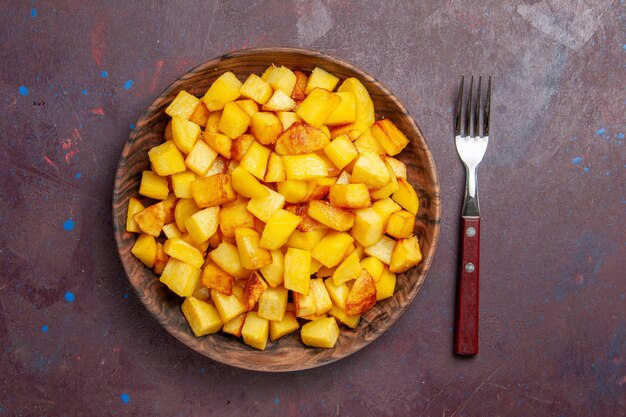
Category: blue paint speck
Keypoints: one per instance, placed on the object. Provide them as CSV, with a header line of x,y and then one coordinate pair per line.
x,y
620,136
69,225
125,398
202,370
69,296
624,46
586,169
125,295
276,401
128,84
132,126
78,175
33,12
601,131
104,74
44,328
23,90
84,91
577,160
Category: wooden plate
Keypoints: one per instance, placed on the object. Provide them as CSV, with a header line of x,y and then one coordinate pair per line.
x,y
287,354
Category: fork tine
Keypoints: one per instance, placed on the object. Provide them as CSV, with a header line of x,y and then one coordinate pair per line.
x,y
487,110
468,114
457,113
477,110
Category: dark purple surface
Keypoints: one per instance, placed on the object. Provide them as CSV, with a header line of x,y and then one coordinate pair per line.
x,y
74,339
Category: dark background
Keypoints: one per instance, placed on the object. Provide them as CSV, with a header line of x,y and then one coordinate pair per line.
x,y
75,76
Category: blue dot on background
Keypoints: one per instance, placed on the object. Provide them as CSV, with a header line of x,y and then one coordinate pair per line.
x,y
44,328
23,90
132,126
33,12
69,296
69,224
128,84
77,176
125,398
84,91
104,74
577,160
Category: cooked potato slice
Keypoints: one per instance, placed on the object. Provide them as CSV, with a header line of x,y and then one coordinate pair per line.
x,y
317,106
345,112
274,273
279,102
264,207
331,249
301,138
280,78
246,185
151,219
297,267
330,216
161,259
201,316
235,326
382,249
240,146
134,207
275,169
370,169
401,224
287,325
145,249
224,89
364,105
180,277
321,78
406,196
220,143
251,255
369,226
308,223
374,266
273,303
266,127
216,278
322,332
362,295
306,167
389,136
255,331
255,160
234,215
318,290
184,133
386,286
213,191
344,318
341,151
406,254
348,269
278,229
200,115
166,159
203,224
256,89
177,248
349,196
226,256
183,105
300,87
228,306
234,121
252,291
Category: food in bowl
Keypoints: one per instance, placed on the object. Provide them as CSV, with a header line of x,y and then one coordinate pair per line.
x,y
280,202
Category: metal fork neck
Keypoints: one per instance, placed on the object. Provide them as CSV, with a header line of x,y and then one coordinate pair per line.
x,y
470,202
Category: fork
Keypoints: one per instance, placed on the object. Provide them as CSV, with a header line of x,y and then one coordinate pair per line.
x,y
471,136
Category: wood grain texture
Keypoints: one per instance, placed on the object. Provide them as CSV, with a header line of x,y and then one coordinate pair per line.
x,y
288,354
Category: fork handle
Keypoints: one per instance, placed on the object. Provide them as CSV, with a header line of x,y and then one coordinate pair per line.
x,y
466,332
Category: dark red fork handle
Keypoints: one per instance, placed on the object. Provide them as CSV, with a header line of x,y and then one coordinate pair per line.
x,y
466,332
